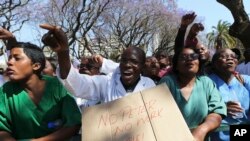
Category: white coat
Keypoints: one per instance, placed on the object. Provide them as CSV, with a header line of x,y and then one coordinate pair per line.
x,y
102,88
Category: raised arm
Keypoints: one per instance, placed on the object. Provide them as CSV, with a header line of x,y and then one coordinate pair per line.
x,y
186,20
58,42
80,85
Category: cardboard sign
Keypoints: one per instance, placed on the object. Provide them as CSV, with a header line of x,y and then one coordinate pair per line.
x,y
149,115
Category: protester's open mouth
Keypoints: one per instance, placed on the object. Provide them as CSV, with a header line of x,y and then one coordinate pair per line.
x,y
230,64
127,74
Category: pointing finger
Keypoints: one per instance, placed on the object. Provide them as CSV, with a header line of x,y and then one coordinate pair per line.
x,y
48,27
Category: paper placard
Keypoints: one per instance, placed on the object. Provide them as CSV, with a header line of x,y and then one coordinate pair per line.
x,y
149,115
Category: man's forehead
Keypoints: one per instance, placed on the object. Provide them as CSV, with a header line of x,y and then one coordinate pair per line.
x,y
130,56
129,53
200,46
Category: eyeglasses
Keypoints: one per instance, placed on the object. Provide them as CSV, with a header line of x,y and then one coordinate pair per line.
x,y
189,57
227,56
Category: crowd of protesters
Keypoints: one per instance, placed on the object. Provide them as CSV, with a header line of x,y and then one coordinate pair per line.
x,y
210,91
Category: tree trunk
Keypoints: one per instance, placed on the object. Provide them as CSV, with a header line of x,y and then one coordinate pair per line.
x,y
241,26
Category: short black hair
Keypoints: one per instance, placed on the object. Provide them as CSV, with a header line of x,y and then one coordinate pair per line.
x,y
33,52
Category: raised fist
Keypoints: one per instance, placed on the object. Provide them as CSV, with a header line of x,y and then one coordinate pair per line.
x,y
188,19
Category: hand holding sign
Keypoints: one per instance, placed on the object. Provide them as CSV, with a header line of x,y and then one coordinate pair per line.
x,y
55,38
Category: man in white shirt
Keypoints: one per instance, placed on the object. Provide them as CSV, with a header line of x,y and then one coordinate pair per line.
x,y
125,79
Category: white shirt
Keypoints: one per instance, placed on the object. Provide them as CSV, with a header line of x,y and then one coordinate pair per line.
x,y
102,88
243,68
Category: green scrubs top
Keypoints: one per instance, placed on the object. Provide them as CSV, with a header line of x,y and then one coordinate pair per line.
x,y
23,119
204,99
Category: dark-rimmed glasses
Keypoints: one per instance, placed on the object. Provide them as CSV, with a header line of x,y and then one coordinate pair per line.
x,y
189,57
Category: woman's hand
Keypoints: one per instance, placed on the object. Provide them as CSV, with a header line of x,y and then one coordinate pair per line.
x,y
199,134
233,108
188,19
211,122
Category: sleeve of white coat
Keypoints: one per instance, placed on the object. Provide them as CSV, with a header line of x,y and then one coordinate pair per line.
x,y
83,86
108,66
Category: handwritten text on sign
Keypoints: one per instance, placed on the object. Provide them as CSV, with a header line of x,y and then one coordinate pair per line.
x,y
130,117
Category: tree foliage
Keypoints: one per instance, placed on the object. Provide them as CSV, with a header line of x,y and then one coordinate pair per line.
x,y
99,26
75,17
147,24
241,26
13,14
220,38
